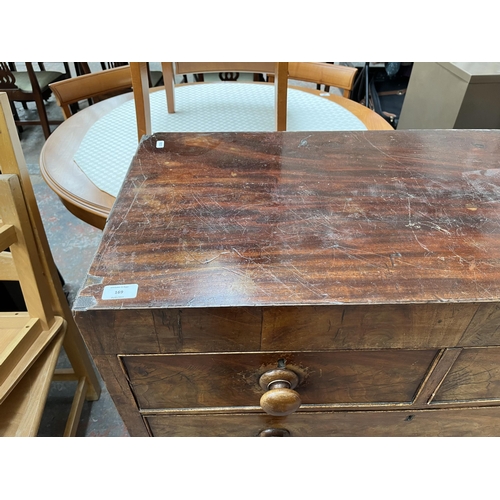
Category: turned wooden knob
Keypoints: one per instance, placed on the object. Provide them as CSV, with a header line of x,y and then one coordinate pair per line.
x,y
280,398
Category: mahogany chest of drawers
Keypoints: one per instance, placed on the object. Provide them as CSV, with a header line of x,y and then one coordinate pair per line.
x,y
302,284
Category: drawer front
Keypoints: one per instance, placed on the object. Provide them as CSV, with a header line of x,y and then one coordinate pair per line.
x,y
228,380
387,326
475,375
171,330
450,422
291,328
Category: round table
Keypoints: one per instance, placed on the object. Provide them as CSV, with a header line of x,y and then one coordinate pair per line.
x,y
86,158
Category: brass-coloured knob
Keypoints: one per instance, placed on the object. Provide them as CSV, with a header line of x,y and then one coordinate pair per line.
x,y
280,398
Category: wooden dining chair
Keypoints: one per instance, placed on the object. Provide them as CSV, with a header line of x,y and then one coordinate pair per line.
x,y
95,86
30,86
12,162
330,75
139,72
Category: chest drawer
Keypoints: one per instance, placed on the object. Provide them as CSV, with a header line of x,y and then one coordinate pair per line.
x,y
232,380
474,376
452,422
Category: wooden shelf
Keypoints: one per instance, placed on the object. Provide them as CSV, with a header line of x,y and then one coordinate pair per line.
x,y
22,340
22,411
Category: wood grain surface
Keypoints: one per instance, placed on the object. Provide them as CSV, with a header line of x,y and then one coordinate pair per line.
x,y
475,374
464,422
239,219
222,380
368,261
230,329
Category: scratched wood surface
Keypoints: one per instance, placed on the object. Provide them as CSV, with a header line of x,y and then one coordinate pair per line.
x,y
369,260
249,219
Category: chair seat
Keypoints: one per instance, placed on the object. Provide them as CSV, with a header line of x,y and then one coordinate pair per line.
x,y
44,78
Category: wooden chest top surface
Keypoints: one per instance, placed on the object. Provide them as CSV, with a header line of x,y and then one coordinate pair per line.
x,y
295,218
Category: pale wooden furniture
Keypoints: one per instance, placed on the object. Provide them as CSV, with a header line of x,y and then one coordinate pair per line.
x,y
227,71
12,162
91,204
141,88
302,284
95,86
30,86
24,336
21,412
330,75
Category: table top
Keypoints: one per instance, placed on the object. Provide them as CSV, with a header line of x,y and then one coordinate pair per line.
x,y
72,158
303,218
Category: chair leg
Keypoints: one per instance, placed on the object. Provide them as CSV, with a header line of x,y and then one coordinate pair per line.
x,y
38,98
139,72
42,113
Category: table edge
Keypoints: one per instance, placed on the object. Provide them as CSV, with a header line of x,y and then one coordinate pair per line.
x,y
93,205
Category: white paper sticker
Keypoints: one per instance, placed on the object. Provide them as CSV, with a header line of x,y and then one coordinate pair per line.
x,y
160,144
117,292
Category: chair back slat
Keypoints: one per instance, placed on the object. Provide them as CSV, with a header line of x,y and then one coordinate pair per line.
x,y
332,75
7,78
90,86
182,68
